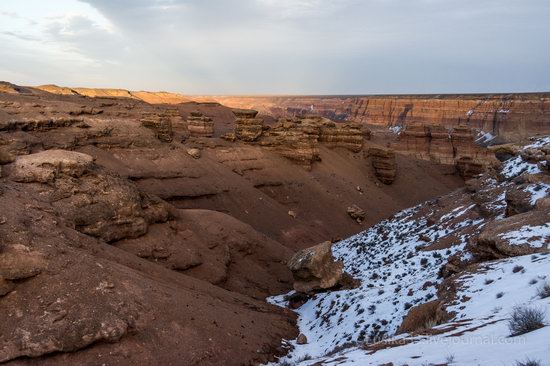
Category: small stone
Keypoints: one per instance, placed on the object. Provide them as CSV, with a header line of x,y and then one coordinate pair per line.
x,y
292,214
302,339
194,153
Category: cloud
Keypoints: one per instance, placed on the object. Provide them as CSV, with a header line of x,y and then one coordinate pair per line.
x,y
310,46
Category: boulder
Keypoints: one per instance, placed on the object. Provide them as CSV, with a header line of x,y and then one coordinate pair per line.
x,y
45,166
356,213
315,268
194,153
302,339
518,201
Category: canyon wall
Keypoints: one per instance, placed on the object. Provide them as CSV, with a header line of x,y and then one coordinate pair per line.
x,y
513,117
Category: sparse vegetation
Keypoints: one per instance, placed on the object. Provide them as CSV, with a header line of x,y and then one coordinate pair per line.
x,y
528,362
544,290
517,269
305,357
525,320
500,294
450,359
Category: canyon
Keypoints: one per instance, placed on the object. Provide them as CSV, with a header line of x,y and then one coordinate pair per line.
x,y
146,228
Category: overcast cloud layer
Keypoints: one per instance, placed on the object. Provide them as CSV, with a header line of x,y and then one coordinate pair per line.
x,y
279,46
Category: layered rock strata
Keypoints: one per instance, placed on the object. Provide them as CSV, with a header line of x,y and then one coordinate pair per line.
x,y
248,128
456,146
200,126
161,123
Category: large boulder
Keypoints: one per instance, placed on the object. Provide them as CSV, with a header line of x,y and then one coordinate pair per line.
x,y
45,166
315,268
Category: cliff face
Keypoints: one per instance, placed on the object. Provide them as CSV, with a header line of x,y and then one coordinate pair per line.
x,y
512,117
442,145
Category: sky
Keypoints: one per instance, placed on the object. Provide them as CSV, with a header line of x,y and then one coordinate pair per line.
x,y
279,46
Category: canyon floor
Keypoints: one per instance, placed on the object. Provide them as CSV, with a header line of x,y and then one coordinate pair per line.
x,y
149,228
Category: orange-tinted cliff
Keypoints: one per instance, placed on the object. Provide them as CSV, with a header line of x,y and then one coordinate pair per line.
x,y
512,116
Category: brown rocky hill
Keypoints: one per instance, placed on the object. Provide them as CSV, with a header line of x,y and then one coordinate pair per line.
x,y
128,237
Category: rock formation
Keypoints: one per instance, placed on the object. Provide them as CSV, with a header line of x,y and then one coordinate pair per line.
x,y
512,116
454,147
315,268
383,161
161,123
346,135
248,128
200,126
297,139
294,140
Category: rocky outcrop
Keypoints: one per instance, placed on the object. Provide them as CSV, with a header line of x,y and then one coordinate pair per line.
x,y
161,123
97,204
296,140
46,166
37,124
346,135
455,146
522,234
315,268
248,128
384,164
200,126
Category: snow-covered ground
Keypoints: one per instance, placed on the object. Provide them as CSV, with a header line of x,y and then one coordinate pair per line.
x,y
398,262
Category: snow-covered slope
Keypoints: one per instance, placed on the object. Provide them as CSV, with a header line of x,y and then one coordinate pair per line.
x,y
427,253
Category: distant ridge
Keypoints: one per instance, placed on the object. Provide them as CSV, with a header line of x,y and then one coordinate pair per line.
x,y
148,97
